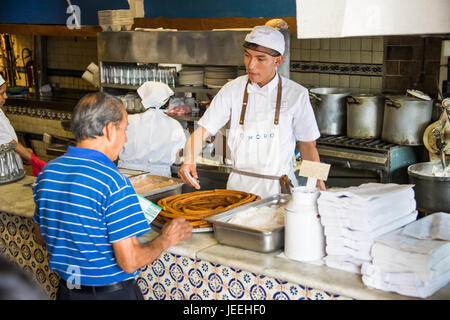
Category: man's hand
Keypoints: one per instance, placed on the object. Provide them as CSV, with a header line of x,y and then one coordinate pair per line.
x,y
176,231
186,170
321,185
131,255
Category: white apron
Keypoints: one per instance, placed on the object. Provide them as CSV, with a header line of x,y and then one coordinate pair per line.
x,y
256,150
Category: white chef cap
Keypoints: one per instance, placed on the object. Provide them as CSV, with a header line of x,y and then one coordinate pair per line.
x,y
268,37
2,81
154,94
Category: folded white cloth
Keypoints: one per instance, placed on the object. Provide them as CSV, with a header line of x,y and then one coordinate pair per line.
x,y
434,226
366,219
397,252
367,192
334,228
346,263
364,204
332,249
396,239
408,284
424,272
348,242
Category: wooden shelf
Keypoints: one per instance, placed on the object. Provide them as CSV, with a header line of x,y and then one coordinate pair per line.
x,y
209,23
49,30
160,22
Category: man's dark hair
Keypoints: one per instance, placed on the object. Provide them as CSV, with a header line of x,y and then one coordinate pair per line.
x,y
257,47
93,112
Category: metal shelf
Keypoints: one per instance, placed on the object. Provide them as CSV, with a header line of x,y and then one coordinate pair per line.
x,y
175,89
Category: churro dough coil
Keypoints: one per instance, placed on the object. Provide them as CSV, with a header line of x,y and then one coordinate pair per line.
x,y
195,206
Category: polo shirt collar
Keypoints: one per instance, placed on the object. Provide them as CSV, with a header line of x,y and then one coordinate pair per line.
x,y
90,154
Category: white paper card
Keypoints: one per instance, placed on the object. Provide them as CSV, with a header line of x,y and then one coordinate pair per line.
x,y
313,169
150,209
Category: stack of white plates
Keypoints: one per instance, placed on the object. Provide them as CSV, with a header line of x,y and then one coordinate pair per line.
x,y
115,20
191,77
216,77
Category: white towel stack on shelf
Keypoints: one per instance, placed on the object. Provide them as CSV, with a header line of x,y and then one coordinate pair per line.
x,y
414,260
353,217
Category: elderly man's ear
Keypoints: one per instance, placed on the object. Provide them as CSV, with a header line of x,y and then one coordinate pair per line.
x,y
109,132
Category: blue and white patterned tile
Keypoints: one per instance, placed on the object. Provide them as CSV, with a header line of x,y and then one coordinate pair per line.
x,y
177,277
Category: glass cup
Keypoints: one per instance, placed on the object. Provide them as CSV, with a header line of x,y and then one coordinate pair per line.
x,y
106,74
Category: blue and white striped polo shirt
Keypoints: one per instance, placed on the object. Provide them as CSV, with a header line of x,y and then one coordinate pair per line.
x,y
83,205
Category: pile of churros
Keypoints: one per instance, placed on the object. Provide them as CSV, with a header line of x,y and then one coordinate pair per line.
x,y
195,206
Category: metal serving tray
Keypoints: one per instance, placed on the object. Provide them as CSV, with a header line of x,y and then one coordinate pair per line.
x,y
172,187
247,237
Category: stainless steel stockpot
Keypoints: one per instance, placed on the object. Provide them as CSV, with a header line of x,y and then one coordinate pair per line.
x,y
365,116
330,109
405,119
432,193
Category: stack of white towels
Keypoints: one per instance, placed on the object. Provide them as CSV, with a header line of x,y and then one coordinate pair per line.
x,y
412,261
353,217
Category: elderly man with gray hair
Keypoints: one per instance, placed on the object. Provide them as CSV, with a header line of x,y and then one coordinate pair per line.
x,y
88,214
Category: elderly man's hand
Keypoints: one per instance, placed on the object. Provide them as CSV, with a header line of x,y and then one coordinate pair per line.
x,y
176,231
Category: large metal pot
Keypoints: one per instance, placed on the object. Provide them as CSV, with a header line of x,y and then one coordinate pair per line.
x,y
365,116
405,119
330,109
432,193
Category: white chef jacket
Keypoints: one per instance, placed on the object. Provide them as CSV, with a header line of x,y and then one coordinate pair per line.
x,y
297,121
7,132
153,142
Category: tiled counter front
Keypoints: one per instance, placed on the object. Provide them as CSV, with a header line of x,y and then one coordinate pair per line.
x,y
169,277
17,244
199,269
178,277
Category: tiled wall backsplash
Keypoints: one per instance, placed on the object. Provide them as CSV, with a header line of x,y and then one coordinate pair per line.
x,y
412,62
71,53
355,63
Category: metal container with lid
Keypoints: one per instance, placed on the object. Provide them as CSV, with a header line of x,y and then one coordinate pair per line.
x,y
432,192
330,109
247,237
365,116
405,119
11,166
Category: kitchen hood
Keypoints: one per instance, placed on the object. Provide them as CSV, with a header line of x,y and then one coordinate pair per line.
x,y
349,18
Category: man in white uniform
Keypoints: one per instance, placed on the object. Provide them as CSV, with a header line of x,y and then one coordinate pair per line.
x,y
154,139
268,114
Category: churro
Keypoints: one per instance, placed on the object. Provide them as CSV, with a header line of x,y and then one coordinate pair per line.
x,y
195,206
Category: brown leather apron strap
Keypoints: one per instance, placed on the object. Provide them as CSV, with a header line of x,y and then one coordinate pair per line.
x,y
277,107
285,182
244,104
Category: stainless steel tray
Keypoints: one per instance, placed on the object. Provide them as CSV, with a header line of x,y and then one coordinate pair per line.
x,y
155,194
194,230
247,237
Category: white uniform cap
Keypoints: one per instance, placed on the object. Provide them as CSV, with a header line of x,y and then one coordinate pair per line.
x,y
154,94
268,37
2,81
